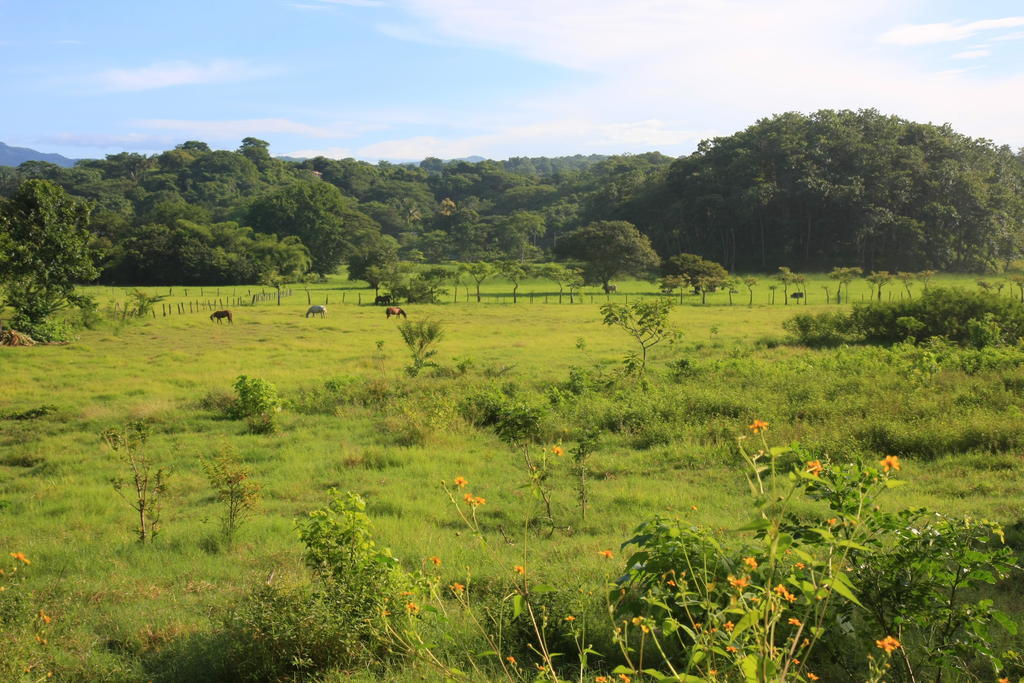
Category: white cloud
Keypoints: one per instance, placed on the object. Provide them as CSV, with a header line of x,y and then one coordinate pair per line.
x,y
971,54
354,3
132,141
329,152
168,74
1016,35
945,32
254,127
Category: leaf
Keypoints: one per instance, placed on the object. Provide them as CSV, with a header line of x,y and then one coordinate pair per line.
x,y
749,668
1005,621
841,584
746,622
517,606
754,525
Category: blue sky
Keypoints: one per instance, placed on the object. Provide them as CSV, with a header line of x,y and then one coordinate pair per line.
x,y
406,79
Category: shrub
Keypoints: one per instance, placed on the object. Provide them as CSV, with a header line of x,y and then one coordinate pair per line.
x,y
257,403
824,329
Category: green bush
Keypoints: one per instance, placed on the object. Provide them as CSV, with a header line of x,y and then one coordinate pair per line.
x,y
257,402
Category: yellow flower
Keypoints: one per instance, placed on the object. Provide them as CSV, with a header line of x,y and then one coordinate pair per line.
x,y
890,462
750,562
758,426
558,450
888,644
795,622
637,621
729,626
519,569
21,557
436,560
606,554
457,587
814,467
460,481
741,582
1004,680
570,618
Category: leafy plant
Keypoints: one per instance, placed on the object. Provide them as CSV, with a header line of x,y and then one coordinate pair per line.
x,y
232,486
645,321
147,483
256,402
420,336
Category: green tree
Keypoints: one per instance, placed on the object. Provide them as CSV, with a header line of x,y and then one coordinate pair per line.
x,y
607,249
370,256
515,273
44,251
702,274
645,321
844,276
479,271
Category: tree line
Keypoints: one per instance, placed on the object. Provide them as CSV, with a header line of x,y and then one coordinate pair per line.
x,y
809,192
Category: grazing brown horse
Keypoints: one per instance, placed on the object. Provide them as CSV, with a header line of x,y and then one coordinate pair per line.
x,y
220,315
394,310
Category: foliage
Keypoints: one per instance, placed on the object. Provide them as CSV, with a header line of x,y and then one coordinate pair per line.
x,y
645,321
801,589
44,253
700,273
420,336
148,482
607,249
234,489
256,402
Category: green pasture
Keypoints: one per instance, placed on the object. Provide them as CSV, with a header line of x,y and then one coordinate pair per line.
x,y
121,609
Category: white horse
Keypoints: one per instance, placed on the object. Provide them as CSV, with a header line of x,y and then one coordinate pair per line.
x,y
317,310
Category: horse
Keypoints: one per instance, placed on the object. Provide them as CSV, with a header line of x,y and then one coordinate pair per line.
x,y
609,289
383,300
394,310
220,315
317,310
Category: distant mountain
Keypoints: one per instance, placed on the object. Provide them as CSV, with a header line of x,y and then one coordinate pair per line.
x,y
15,156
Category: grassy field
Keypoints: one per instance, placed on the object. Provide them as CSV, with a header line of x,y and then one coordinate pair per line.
x,y
122,611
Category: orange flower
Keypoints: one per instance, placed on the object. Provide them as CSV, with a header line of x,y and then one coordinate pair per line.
x,y
795,622
781,590
474,501
21,557
832,521
758,426
730,648
45,617
624,678
570,618
478,501
460,481
814,467
888,644
729,626
436,560
606,554
811,676
468,498
1004,680
519,569
890,462
412,608
558,450
637,621
693,507
741,582
601,679
457,587
671,583
750,562
511,660
799,565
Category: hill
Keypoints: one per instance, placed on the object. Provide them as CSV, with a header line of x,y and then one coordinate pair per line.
x,y
15,156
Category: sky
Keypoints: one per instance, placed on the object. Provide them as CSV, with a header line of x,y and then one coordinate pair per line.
x,y
403,80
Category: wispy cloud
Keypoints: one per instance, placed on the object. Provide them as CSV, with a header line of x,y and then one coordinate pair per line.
x,y
945,32
329,152
178,73
971,54
133,141
354,3
244,127
1016,35
66,42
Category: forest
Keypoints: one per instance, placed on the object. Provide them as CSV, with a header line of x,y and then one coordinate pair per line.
x,y
808,192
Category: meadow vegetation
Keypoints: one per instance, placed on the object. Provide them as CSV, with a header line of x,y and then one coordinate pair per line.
x,y
501,491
